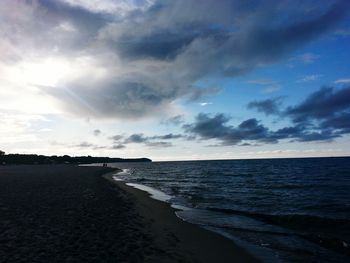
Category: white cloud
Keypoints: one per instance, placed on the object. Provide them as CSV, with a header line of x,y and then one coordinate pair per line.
x,y
270,85
308,58
271,89
203,104
262,81
17,127
119,7
44,130
310,78
342,81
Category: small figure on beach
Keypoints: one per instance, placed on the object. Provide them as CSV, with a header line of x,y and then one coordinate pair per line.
x,y
104,165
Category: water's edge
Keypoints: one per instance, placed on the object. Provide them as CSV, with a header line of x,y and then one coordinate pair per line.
x,y
182,211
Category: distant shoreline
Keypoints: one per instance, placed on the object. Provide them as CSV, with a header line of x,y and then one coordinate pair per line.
x,y
65,159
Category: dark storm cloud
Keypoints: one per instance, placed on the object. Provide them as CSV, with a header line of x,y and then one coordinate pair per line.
x,y
326,110
323,115
88,145
289,132
169,136
118,147
163,39
123,99
245,144
136,138
48,27
159,144
84,145
141,138
269,43
120,141
171,34
161,45
217,127
340,121
152,57
328,105
117,137
325,135
98,147
252,131
150,141
209,127
321,105
305,134
176,120
269,106
83,19
116,99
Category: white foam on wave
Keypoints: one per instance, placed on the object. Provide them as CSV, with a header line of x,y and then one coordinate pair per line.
x,y
124,172
121,173
155,194
158,195
115,178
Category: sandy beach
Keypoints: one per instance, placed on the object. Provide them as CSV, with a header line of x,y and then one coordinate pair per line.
x,y
66,213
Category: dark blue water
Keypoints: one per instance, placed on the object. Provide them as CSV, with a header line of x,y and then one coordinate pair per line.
x,y
281,210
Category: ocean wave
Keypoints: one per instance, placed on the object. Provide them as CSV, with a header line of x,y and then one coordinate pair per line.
x,y
116,178
325,232
299,220
125,172
291,205
154,193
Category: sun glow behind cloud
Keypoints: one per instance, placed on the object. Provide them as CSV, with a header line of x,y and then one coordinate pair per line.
x,y
47,72
27,76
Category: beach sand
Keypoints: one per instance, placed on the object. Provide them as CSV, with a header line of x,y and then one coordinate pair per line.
x,y
66,213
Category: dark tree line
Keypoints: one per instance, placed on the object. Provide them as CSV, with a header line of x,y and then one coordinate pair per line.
x,y
65,159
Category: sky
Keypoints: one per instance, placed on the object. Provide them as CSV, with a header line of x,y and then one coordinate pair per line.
x,y
175,79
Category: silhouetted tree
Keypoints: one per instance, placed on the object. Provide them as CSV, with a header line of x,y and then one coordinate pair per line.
x,y
42,159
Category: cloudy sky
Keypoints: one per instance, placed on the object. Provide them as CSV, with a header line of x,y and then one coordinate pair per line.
x,y
175,79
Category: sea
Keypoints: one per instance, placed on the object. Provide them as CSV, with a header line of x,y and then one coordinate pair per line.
x,y
279,210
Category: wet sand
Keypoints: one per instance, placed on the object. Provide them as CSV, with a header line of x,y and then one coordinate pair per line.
x,y
66,213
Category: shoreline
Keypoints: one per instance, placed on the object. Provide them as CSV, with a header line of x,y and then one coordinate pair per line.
x,y
181,239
